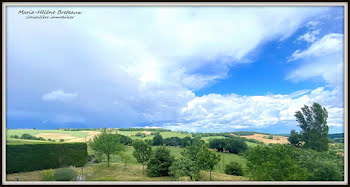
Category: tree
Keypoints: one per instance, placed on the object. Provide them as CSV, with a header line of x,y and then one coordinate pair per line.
x,y
107,143
184,167
158,139
192,150
235,145
125,157
143,152
313,122
218,144
234,168
159,163
275,163
294,138
208,159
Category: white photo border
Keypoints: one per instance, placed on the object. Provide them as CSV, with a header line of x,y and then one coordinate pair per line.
x,y
178,4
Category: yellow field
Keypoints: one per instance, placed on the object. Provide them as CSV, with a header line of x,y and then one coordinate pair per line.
x,y
276,139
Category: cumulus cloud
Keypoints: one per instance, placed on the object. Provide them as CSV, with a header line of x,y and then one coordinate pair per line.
x,y
136,65
231,112
59,95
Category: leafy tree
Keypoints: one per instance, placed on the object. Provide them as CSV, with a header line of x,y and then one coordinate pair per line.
x,y
192,150
322,166
234,168
125,157
294,138
143,152
125,140
207,159
107,143
173,141
184,167
313,122
274,163
235,145
158,139
159,163
218,144
186,141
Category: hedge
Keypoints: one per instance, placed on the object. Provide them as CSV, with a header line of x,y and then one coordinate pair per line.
x,y
29,157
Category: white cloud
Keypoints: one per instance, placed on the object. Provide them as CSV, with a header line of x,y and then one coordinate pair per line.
x,y
59,95
310,36
324,58
231,112
144,67
328,45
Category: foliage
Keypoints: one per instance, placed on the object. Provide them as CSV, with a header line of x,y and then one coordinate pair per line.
x,y
322,166
125,140
142,135
172,141
294,138
232,145
64,174
47,175
313,122
192,150
234,168
274,163
143,152
27,137
158,139
184,167
107,143
207,159
159,162
29,157
126,158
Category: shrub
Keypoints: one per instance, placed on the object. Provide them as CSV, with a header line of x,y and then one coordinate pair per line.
x,y
158,139
29,157
234,168
47,175
159,163
184,167
64,174
61,140
275,163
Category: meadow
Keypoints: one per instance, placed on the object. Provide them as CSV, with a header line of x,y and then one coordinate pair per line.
x,y
132,171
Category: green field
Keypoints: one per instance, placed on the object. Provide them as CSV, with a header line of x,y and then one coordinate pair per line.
x,y
33,132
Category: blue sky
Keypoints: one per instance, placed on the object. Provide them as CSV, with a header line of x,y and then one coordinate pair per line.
x,y
198,69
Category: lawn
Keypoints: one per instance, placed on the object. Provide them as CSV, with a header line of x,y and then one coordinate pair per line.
x,y
226,158
119,172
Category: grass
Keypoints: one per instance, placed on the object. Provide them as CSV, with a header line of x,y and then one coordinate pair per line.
x,y
118,172
207,139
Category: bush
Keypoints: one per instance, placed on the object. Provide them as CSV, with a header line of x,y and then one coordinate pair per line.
x,y
184,167
47,175
29,157
275,163
157,139
234,168
64,174
159,163
61,140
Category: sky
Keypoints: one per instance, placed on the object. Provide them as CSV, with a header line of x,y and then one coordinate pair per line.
x,y
195,69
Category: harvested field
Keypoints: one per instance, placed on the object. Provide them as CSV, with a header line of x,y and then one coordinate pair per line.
x,y
276,139
68,137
